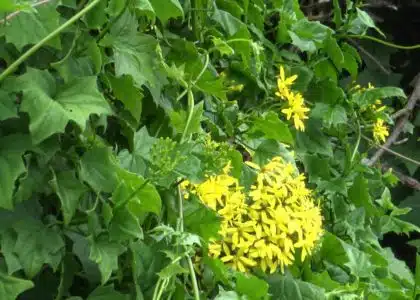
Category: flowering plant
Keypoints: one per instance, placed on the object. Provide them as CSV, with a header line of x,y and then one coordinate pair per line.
x,y
203,149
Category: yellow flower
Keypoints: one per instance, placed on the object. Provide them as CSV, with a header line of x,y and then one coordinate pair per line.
x,y
297,110
380,131
283,83
266,226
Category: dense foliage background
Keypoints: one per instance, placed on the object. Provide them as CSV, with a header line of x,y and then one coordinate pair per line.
x,y
109,107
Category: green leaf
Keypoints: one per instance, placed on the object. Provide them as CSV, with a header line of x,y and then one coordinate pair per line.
x,y
124,225
338,18
107,293
362,22
8,109
331,115
393,224
98,169
334,52
81,98
144,7
398,267
179,120
172,270
31,26
125,91
201,220
370,96
134,53
313,140
69,189
97,17
359,194
223,47
285,288
8,5
12,287
273,128
171,9
413,203
305,76
358,262
140,195
229,23
417,272
251,286
8,242
81,250
308,35
270,148
227,295
74,101
148,259
37,245
323,280
316,167
11,166
115,7
105,254
324,69
78,64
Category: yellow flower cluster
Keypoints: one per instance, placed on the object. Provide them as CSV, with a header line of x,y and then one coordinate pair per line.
x,y
265,227
295,108
380,129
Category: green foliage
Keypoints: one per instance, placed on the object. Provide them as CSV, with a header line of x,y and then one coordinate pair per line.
x,y
101,124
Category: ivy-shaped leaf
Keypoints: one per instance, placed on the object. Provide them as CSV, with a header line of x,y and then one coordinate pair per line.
x,y
50,107
31,26
105,253
69,189
12,287
37,245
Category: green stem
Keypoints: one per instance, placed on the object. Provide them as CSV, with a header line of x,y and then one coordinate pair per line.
x,y
157,288
206,64
135,280
356,147
181,229
61,286
162,289
53,34
181,210
368,37
193,279
123,203
190,114
112,22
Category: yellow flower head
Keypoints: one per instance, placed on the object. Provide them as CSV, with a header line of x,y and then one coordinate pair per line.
x,y
296,110
380,131
295,104
267,226
284,83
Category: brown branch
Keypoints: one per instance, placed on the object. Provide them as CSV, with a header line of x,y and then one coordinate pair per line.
x,y
14,14
404,179
415,95
372,58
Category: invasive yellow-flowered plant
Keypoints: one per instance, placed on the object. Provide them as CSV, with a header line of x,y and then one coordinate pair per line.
x,y
265,227
380,131
295,106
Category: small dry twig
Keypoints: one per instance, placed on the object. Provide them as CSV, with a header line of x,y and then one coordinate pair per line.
x,y
404,179
14,14
371,57
415,95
